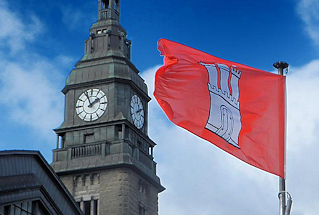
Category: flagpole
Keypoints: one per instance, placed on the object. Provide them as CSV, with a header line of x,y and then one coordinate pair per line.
x,y
284,208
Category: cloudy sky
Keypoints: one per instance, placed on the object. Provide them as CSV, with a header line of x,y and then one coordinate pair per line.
x,y
40,41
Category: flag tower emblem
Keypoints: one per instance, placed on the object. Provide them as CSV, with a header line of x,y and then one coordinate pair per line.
x,y
224,115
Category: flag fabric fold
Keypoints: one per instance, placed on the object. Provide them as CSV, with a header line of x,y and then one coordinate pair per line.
x,y
238,108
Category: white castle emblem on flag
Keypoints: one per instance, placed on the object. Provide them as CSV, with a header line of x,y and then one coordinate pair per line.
x,y
224,115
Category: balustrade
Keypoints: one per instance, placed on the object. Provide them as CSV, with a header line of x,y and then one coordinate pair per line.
x,y
86,150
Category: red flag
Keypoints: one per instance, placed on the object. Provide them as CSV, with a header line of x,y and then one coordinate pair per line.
x,y
238,108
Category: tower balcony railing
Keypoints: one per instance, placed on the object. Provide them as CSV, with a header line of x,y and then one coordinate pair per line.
x,y
105,14
103,149
86,150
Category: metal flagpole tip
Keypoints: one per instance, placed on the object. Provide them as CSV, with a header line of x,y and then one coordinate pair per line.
x,y
281,65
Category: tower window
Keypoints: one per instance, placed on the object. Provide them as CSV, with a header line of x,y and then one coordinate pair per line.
x,y
141,210
95,206
61,141
139,143
83,180
150,150
119,131
116,4
105,4
7,209
142,187
87,207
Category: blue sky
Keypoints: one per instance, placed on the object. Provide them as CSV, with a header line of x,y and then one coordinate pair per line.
x,y
40,41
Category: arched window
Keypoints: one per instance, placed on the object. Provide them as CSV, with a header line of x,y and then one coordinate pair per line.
x,y
117,5
105,4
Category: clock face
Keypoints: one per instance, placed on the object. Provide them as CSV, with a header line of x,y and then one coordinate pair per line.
x,y
91,104
137,111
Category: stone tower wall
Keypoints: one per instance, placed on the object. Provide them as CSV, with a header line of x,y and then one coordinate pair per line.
x,y
119,191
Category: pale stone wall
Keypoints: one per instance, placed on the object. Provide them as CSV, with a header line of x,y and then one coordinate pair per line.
x,y
119,191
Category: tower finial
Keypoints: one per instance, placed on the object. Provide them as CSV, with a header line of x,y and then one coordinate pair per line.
x,y
109,9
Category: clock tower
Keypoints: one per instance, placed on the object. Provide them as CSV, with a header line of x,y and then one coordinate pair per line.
x,y
104,155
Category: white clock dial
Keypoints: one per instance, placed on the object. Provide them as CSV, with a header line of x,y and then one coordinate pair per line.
x,y
91,104
137,111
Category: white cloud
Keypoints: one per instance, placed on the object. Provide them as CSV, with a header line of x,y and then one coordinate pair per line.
x,y
303,115
15,32
202,179
29,89
30,97
303,147
308,11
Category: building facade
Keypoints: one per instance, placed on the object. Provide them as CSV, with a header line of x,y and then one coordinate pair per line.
x,y
104,155
28,185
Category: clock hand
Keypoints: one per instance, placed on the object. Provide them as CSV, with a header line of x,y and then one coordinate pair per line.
x,y
91,104
139,110
87,96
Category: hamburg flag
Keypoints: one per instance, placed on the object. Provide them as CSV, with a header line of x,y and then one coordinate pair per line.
x,y
238,108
